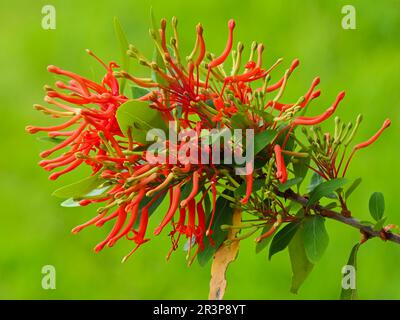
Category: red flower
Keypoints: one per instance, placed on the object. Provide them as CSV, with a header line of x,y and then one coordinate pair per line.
x,y
93,114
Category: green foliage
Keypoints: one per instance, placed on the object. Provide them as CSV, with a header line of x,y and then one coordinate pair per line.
x,y
290,183
301,266
138,92
300,168
139,118
377,205
353,187
152,208
262,139
257,185
261,245
282,238
315,237
316,180
223,215
351,294
78,189
123,43
325,189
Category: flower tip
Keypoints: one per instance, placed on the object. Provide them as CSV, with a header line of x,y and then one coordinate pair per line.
x,y
174,21
316,81
54,176
45,154
316,94
294,65
157,231
341,95
52,68
76,230
31,129
387,123
199,29
231,24
163,23
99,247
111,243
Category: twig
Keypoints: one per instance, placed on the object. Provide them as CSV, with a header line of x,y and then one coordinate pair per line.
x,y
366,230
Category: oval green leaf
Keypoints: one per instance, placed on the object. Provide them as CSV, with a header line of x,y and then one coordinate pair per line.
x,y
282,238
262,139
223,215
264,242
140,118
377,205
301,266
325,189
315,238
79,189
351,293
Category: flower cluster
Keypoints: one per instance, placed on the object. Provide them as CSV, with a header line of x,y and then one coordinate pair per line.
x,y
196,92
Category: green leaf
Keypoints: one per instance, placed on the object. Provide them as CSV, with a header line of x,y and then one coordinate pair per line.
x,y
264,242
152,207
140,118
124,45
160,63
352,187
96,193
380,223
282,238
301,266
55,140
316,180
288,184
138,92
257,185
207,204
223,215
367,223
325,189
93,194
153,22
262,139
377,205
351,294
300,168
70,203
315,237
79,189
239,120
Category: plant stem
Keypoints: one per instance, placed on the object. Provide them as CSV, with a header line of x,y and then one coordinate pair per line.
x,y
366,230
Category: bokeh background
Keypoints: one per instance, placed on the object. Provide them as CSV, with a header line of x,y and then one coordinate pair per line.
x,y
35,229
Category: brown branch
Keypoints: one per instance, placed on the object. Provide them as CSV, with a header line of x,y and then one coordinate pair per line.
x,y
365,230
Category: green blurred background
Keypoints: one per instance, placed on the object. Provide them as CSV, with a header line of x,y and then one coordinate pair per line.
x,y
35,230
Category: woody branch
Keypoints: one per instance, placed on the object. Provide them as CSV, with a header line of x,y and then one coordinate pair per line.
x,y
367,231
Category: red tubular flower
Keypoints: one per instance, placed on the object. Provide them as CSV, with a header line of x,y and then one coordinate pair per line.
x,y
219,60
309,121
364,144
194,191
201,225
281,172
90,135
277,85
90,120
176,192
249,183
371,140
121,213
